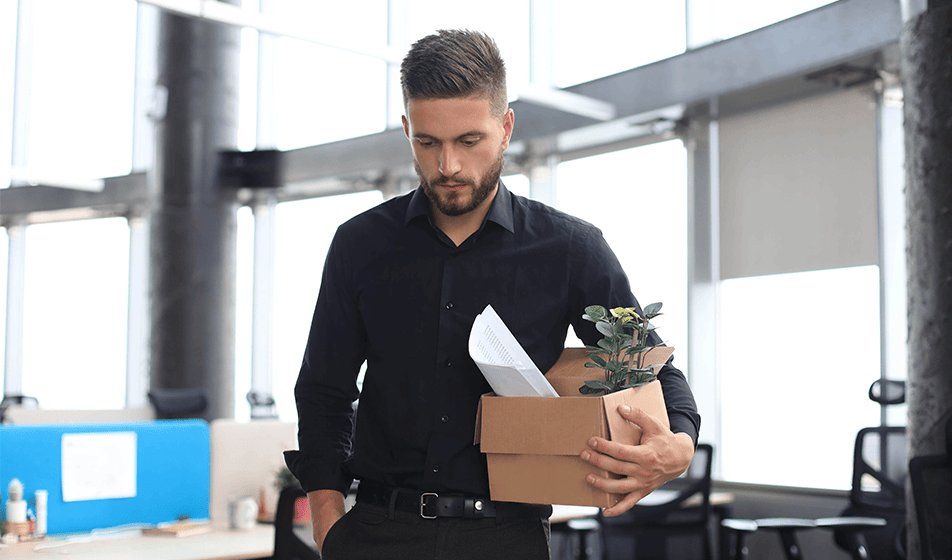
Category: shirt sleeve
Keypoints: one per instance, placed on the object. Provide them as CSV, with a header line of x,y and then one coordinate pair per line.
x,y
326,388
601,280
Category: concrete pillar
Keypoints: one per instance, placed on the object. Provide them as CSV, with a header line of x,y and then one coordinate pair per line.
x,y
926,47
193,232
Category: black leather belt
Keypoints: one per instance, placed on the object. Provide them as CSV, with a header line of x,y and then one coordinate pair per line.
x,y
430,505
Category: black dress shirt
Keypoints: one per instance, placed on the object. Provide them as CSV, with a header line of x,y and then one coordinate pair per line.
x,y
399,295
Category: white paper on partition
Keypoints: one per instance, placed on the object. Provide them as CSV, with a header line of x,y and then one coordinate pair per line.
x,y
98,466
503,361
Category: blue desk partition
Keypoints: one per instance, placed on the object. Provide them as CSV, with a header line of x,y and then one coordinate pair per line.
x,y
172,481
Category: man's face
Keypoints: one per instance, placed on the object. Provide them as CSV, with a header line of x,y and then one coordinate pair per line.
x,y
457,150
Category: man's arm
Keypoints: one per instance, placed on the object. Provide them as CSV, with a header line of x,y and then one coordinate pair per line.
x,y
327,507
661,456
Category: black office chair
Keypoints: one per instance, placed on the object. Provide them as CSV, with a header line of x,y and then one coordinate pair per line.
x,y
931,478
262,405
178,403
643,531
287,544
878,490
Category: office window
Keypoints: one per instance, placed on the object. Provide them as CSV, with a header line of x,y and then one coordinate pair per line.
x,y
81,94
4,251
638,198
736,17
76,300
8,35
797,353
608,37
323,94
244,285
304,230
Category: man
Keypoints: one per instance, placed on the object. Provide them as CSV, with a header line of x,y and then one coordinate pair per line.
x,y
402,284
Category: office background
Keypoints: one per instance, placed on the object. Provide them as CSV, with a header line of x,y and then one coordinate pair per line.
x,y
760,143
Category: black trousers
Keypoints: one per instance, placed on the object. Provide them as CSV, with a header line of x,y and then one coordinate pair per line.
x,y
372,532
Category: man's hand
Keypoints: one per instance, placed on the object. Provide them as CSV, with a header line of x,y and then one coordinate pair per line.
x,y
662,456
327,507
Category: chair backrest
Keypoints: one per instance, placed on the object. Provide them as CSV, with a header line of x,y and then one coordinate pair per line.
x,y
931,478
178,403
880,468
287,545
690,501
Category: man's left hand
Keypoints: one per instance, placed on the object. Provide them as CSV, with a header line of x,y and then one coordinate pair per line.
x,y
662,456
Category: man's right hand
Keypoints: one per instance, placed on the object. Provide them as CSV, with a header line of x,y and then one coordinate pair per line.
x,y
327,507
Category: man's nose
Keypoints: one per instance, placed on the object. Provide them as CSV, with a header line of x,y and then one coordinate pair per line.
x,y
449,162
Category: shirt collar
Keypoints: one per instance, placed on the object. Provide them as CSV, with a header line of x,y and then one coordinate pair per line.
x,y
500,211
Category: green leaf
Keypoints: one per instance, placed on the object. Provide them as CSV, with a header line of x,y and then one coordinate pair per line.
x,y
592,365
605,328
595,312
653,309
606,345
598,360
597,385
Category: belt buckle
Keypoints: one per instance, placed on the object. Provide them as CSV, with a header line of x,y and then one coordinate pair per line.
x,y
423,504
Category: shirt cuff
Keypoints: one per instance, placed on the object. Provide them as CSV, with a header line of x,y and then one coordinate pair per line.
x,y
314,474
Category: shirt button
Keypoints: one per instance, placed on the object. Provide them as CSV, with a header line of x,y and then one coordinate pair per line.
x,y
449,305
448,362
436,468
444,419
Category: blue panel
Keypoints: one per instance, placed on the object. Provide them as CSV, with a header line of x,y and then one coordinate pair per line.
x,y
172,461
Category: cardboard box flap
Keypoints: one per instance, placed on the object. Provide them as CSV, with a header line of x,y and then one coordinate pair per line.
x,y
569,371
531,425
648,397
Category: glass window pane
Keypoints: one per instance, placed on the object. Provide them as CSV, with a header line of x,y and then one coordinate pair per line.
x,y
8,36
323,94
303,234
81,92
76,300
244,284
609,37
735,17
797,353
638,198
4,252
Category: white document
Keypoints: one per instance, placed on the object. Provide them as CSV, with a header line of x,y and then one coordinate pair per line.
x,y
99,466
503,361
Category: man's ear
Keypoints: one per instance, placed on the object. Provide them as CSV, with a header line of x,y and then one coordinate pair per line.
x,y
406,125
508,121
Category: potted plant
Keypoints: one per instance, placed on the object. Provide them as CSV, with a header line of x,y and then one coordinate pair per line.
x,y
622,352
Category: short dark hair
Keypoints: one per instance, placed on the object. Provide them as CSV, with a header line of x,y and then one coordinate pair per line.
x,y
455,63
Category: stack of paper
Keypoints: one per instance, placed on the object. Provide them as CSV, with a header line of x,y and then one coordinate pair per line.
x,y
504,362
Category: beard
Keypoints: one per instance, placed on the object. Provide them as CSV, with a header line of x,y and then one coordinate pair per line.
x,y
456,203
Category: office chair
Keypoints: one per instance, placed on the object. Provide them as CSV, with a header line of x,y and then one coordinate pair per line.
x,y
931,478
878,486
262,405
642,531
287,545
178,403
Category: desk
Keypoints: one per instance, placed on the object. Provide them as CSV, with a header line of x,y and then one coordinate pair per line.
x,y
219,544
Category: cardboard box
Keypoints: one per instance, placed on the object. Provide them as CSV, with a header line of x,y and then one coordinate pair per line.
x,y
532,444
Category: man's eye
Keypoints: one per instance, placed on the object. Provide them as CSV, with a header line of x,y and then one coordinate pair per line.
x,y
470,143
426,143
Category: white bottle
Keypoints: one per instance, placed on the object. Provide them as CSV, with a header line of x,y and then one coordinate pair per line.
x,y
16,505
41,497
